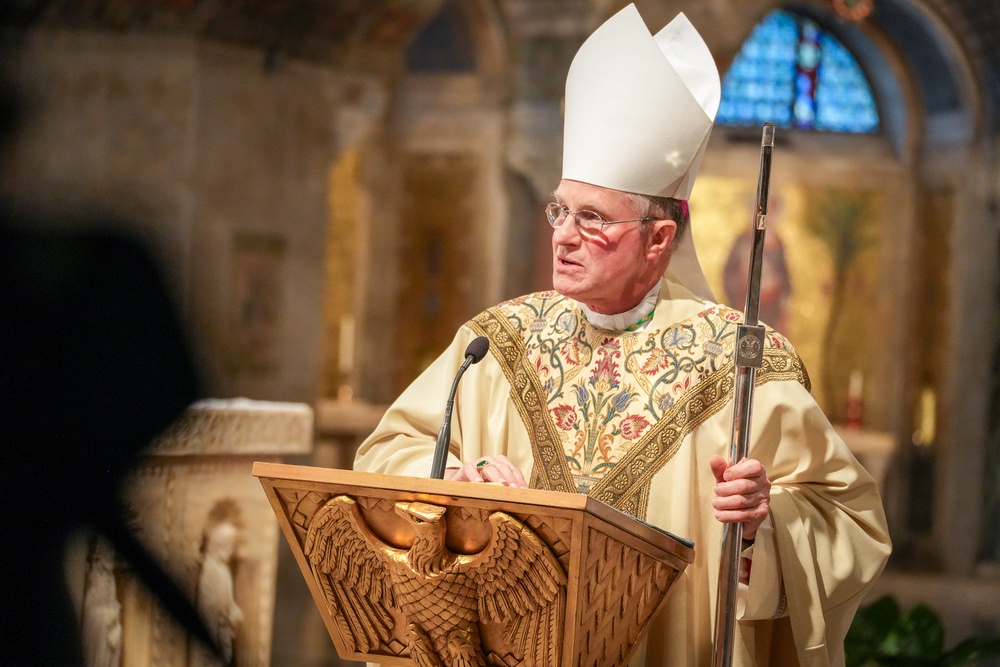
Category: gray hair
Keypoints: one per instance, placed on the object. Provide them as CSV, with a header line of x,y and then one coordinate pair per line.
x,y
661,208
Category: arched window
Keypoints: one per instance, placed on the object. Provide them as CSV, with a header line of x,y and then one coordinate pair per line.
x,y
792,73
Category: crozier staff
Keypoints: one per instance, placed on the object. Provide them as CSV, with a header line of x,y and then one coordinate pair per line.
x,y
627,364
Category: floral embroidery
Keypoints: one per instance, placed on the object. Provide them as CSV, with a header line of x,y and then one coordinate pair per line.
x,y
657,361
541,368
571,352
513,303
582,395
679,337
566,322
633,426
565,416
622,400
664,401
605,376
605,392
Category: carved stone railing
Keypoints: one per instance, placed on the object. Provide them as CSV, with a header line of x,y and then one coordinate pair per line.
x,y
196,506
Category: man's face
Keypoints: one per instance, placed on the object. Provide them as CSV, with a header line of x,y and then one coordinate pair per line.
x,y
609,271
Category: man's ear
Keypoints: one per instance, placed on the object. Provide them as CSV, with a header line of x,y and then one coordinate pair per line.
x,y
661,235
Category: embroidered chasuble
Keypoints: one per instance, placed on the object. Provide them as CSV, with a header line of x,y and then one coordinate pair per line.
x,y
632,418
610,408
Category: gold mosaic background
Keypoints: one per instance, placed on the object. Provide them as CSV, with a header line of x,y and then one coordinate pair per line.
x,y
721,211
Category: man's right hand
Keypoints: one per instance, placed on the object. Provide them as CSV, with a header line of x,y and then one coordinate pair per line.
x,y
497,469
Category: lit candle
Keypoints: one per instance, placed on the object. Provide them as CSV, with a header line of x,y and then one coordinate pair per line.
x,y
345,356
928,407
855,387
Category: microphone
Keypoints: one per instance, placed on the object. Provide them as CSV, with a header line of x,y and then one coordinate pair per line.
x,y
474,353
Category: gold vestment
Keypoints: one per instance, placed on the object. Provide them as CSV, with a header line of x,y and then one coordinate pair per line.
x,y
633,419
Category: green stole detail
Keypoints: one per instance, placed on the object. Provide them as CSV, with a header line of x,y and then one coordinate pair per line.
x,y
626,485
646,318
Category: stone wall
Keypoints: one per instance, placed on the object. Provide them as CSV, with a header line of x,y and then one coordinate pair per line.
x,y
221,159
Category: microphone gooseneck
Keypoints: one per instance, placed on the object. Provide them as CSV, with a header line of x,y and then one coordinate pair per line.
x,y
474,353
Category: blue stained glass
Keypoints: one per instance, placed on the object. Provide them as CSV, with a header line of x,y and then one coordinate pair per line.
x,y
771,80
760,79
808,56
849,91
804,114
803,84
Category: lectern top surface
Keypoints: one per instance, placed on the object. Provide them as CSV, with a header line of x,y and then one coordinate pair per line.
x,y
443,490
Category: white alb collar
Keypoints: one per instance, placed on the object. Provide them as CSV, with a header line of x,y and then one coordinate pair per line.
x,y
622,321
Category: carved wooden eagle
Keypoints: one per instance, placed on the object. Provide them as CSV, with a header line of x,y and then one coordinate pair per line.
x,y
515,581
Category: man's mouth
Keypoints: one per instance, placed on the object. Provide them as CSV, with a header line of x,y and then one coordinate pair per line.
x,y
566,262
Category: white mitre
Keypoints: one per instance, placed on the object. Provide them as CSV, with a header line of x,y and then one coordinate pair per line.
x,y
639,112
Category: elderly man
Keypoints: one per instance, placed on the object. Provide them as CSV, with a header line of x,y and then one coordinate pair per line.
x,y
618,382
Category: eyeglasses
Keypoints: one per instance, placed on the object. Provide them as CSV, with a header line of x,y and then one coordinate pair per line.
x,y
586,221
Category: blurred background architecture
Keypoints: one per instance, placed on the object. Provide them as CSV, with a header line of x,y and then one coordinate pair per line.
x,y
337,185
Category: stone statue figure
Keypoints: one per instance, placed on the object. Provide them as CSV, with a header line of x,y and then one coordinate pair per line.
x,y
215,599
102,621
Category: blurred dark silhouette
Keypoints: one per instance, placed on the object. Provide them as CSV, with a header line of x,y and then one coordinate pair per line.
x,y
94,363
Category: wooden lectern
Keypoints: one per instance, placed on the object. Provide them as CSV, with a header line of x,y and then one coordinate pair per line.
x,y
427,572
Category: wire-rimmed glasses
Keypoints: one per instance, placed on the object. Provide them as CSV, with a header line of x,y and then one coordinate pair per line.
x,y
586,221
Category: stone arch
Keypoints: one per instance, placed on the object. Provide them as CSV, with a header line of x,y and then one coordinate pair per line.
x,y
935,162
952,270
956,174
440,123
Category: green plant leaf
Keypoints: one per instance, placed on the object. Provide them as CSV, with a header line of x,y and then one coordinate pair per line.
x,y
869,629
904,661
971,651
881,636
918,634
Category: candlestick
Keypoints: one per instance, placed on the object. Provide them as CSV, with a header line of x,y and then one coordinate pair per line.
x,y
345,356
855,399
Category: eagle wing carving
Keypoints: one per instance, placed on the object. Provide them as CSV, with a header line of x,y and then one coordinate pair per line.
x,y
522,586
344,556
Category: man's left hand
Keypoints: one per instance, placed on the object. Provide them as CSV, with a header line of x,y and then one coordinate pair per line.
x,y
497,469
742,493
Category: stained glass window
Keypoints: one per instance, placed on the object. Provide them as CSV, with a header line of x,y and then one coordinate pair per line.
x,y
792,73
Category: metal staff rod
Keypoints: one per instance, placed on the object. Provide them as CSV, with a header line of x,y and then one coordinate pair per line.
x,y
748,357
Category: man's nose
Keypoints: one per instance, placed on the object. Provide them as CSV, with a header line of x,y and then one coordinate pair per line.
x,y
567,233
